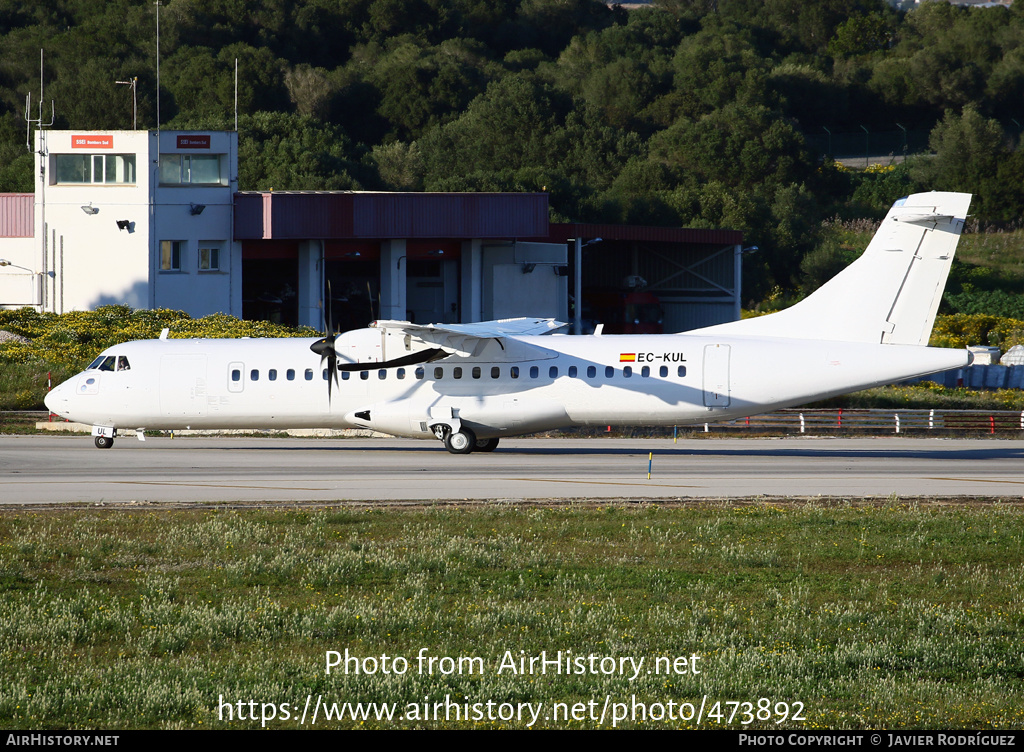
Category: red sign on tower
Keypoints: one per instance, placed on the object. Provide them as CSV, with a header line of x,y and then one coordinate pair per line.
x,y
193,142
92,142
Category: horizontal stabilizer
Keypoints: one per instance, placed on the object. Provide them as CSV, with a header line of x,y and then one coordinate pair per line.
x,y
923,219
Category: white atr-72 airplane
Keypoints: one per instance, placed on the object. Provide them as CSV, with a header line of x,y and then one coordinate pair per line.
x,y
469,385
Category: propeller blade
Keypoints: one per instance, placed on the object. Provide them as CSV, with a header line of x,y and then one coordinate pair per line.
x,y
325,347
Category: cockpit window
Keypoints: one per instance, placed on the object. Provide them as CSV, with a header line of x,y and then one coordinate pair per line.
x,y
95,363
107,364
122,363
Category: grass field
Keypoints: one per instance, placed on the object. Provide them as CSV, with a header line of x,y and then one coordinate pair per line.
x,y
820,615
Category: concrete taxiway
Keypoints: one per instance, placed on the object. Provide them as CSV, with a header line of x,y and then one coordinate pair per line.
x,y
48,469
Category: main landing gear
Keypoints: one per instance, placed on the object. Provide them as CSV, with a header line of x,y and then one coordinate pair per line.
x,y
485,445
460,442
465,441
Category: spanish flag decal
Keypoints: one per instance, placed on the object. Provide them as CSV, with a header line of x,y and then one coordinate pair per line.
x,y
627,357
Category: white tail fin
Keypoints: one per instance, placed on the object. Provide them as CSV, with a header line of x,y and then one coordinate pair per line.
x,y
891,293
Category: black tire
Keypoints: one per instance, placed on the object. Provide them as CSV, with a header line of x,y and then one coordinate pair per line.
x,y
485,445
460,442
103,442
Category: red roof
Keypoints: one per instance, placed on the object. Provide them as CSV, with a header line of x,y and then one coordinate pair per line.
x,y
280,215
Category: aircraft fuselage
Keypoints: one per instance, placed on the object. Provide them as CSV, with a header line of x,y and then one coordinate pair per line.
x,y
525,385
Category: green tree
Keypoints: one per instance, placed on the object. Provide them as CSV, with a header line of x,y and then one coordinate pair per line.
x,y
515,123
968,150
295,152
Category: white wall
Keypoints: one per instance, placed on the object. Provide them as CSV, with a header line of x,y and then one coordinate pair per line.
x,y
19,284
510,291
94,262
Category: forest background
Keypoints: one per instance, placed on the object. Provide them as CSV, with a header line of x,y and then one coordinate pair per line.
x,y
697,113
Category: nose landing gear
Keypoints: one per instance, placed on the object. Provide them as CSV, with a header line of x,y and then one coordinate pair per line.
x,y
103,436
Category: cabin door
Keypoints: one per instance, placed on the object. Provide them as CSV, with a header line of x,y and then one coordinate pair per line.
x,y
183,392
716,375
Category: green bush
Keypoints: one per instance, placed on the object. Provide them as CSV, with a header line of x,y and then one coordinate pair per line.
x,y
64,344
965,330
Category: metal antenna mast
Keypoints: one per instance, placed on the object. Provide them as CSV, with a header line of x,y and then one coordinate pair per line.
x,y
28,109
157,4
135,101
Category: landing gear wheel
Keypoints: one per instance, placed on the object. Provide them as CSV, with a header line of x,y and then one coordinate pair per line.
x,y
460,442
485,445
104,442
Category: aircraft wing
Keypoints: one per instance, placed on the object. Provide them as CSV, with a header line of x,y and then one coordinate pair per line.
x,y
468,339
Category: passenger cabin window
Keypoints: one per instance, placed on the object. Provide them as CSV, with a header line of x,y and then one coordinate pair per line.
x,y
534,372
627,371
645,371
290,374
495,372
364,375
400,373
591,372
553,372
663,371
438,373
382,374
609,371
572,372
272,374
457,372
254,374
514,372
681,371
309,374
345,375
236,374
476,372
420,372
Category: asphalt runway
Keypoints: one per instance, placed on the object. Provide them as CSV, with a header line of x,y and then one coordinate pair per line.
x,y
48,469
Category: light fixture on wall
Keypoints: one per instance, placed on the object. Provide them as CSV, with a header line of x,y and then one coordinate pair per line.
x,y
528,268
90,209
124,224
196,209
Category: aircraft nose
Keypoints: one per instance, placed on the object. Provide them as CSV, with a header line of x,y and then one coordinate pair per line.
x,y
56,400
